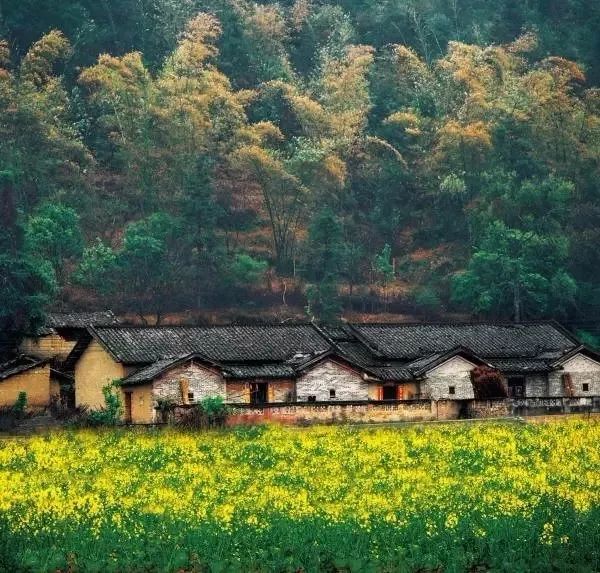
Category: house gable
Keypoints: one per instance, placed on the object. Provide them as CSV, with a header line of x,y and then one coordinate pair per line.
x,y
331,375
95,369
453,366
581,363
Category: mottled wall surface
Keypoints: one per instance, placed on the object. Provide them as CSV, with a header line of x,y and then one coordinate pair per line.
x,y
94,370
536,385
35,382
329,375
454,373
202,382
49,346
583,370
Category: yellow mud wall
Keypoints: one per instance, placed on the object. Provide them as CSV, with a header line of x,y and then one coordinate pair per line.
x,y
49,346
95,369
36,382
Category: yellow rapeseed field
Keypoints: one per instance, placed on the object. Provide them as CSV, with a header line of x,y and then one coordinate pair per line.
x,y
162,484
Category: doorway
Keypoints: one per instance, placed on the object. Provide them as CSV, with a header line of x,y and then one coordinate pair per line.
x,y
128,407
516,386
258,393
389,393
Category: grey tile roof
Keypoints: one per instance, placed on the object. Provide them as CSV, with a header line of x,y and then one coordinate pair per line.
x,y
245,371
148,373
256,343
19,365
79,320
411,341
520,364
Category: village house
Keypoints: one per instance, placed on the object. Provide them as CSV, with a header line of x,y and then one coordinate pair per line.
x,y
61,332
304,363
35,377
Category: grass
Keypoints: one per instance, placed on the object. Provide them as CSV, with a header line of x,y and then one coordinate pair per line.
x,y
452,497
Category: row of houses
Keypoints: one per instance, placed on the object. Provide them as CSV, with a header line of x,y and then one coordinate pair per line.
x,y
78,354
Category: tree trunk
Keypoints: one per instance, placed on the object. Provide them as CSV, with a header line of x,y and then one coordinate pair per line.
x,y
517,301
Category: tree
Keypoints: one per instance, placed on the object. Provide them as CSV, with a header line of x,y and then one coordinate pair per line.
x,y
326,259
518,270
143,270
53,234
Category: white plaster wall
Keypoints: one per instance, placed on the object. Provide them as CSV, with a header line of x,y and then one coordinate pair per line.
x,y
454,372
583,370
348,384
536,385
202,381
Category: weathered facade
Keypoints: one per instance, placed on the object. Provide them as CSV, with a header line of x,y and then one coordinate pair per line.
x,y
450,380
34,377
330,380
275,364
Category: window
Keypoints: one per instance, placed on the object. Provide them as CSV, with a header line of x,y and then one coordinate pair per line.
x,y
331,393
451,390
312,399
190,397
585,387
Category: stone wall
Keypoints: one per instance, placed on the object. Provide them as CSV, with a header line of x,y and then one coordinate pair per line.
x,y
202,382
583,370
454,373
536,385
327,375
497,408
352,412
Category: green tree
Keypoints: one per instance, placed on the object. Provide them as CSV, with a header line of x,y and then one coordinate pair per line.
x,y
516,271
53,234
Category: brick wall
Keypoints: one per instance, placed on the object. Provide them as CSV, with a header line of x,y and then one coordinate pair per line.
x,y
347,383
536,385
455,373
583,370
397,411
489,408
202,382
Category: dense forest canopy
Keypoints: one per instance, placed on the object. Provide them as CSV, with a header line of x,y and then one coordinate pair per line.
x,y
423,156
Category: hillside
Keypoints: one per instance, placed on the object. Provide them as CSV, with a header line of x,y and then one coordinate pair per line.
x,y
227,159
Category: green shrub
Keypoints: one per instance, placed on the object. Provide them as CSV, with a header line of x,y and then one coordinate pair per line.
x,y
110,413
20,405
211,412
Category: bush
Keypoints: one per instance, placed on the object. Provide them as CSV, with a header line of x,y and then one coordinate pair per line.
x,y
110,414
60,409
20,405
165,407
209,413
488,383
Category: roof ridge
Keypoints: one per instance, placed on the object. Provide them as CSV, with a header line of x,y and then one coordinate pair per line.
x,y
462,323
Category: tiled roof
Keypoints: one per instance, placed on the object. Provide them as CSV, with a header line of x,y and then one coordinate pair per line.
x,y
245,371
19,365
256,343
411,341
59,320
396,372
520,364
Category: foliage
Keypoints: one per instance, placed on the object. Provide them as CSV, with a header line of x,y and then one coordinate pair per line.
x,y
209,413
148,144
488,383
501,496
20,404
110,413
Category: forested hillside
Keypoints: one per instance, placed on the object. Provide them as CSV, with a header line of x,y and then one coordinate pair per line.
x,y
422,157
